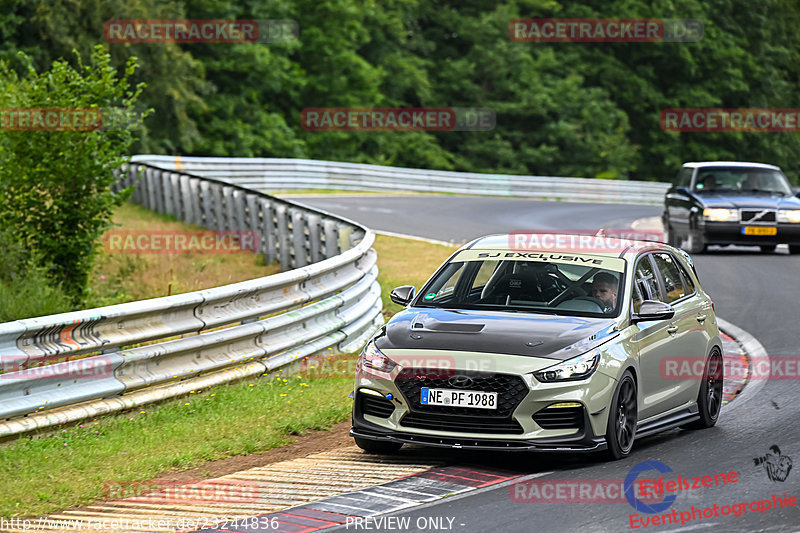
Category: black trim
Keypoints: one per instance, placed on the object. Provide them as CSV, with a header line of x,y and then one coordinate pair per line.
x,y
582,441
663,423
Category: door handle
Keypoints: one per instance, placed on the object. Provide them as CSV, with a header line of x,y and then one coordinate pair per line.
x,y
701,318
672,329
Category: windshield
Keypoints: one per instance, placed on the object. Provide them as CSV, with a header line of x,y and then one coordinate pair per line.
x,y
571,285
750,180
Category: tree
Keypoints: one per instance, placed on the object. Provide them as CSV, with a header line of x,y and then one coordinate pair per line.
x,y
56,195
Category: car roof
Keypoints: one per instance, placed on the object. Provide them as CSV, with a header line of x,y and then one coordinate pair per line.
x,y
701,164
501,241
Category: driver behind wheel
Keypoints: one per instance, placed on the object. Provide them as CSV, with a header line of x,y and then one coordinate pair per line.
x,y
604,289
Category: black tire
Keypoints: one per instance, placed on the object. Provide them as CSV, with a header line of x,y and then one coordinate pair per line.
x,y
670,237
622,416
794,248
709,398
768,248
378,446
696,242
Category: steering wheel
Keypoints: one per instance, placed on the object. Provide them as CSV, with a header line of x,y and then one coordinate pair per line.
x,y
563,296
592,299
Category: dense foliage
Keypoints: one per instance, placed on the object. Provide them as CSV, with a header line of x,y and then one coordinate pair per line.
x,y
55,185
562,109
572,109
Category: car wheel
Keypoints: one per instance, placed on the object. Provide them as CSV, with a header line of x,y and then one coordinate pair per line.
x,y
696,243
794,248
621,427
670,238
768,248
709,399
377,446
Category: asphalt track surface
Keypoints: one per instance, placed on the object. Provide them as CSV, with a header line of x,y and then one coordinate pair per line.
x,y
754,291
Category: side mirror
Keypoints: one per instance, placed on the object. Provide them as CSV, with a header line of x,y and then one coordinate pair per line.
x,y
682,190
653,310
402,295
797,192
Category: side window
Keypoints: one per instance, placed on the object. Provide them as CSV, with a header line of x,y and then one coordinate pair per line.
x,y
645,284
687,279
670,273
683,178
446,284
484,274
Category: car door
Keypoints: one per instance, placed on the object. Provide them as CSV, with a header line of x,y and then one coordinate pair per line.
x,y
678,201
652,342
692,338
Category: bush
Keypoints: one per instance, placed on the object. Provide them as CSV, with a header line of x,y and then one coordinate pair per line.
x,y
25,288
56,196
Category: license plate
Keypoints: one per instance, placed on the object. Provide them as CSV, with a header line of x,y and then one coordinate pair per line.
x,y
759,230
459,398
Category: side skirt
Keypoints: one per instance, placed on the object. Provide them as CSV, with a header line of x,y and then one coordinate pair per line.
x,y
668,421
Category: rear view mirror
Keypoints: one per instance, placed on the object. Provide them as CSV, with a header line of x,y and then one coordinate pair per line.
x,y
653,310
402,295
682,190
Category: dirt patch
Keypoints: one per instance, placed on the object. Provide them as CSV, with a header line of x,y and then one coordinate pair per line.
x,y
312,442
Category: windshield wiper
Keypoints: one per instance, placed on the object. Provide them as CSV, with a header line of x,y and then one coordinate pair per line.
x,y
764,191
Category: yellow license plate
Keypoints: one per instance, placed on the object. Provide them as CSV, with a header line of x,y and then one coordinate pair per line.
x,y
756,230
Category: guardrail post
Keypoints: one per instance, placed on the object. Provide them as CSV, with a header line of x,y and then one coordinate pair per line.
x,y
314,238
206,205
299,239
185,192
267,231
331,230
172,199
284,238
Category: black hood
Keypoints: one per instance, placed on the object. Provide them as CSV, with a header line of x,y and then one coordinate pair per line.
x,y
527,334
749,201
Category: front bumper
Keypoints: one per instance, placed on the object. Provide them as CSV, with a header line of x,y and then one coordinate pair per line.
x,y
534,423
586,441
731,233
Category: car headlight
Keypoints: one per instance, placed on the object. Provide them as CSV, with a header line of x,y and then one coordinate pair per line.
x,y
580,367
373,359
789,215
721,215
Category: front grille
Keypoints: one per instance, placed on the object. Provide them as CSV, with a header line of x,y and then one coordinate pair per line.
x,y
510,391
463,424
749,216
560,418
372,405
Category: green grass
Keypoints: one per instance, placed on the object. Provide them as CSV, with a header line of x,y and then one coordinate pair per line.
x,y
73,465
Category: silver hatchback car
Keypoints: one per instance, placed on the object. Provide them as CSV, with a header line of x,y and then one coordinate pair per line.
x,y
536,348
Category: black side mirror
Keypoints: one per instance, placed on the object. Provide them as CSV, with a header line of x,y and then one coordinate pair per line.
x,y
682,190
653,310
402,295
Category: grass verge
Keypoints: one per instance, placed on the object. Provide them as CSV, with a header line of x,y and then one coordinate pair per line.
x,y
73,465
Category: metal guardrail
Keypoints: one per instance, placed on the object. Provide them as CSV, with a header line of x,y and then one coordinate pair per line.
x,y
330,298
275,174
